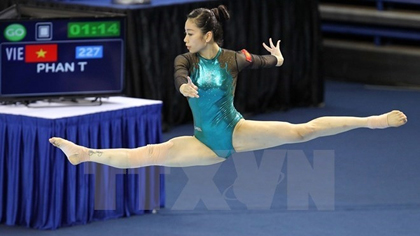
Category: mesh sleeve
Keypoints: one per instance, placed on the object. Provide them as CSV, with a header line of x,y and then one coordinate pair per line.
x,y
247,60
182,66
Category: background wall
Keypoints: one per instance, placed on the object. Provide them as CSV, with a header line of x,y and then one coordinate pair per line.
x,y
155,38
372,41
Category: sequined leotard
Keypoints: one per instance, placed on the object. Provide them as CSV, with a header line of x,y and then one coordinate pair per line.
x,y
215,116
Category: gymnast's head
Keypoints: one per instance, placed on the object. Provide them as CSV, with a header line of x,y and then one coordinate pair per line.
x,y
205,26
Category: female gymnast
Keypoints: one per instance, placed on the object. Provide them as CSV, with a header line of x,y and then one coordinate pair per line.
x,y
207,76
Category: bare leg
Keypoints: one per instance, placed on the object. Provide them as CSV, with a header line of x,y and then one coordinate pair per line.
x,y
177,152
254,135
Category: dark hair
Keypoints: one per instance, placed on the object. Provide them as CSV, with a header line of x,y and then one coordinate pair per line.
x,y
211,20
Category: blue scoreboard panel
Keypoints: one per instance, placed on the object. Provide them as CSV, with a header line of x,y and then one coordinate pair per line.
x,y
62,57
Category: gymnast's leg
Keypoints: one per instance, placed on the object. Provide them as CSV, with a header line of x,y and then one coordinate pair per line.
x,y
254,135
177,152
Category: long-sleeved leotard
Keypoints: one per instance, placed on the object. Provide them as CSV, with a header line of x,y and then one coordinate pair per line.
x,y
214,114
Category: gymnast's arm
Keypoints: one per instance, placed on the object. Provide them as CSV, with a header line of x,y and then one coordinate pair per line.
x,y
252,61
245,59
183,82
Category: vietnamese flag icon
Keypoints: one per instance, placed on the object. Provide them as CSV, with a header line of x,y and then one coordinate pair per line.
x,y
41,53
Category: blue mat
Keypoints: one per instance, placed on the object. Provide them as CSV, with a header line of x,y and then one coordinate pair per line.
x,y
364,182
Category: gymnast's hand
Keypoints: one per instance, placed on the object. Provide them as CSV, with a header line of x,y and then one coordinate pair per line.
x,y
189,89
275,51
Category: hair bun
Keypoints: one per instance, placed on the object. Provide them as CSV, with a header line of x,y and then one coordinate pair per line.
x,y
221,13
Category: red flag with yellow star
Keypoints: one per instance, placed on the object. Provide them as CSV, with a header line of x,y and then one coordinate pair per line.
x,y
41,53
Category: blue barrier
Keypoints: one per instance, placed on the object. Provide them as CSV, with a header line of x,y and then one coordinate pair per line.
x,y
371,31
380,4
378,32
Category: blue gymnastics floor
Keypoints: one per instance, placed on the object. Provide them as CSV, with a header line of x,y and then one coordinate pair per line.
x,y
368,183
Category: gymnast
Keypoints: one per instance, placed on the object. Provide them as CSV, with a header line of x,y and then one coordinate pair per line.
x,y
206,76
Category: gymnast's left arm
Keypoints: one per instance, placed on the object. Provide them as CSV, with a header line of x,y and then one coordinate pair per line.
x,y
275,51
247,60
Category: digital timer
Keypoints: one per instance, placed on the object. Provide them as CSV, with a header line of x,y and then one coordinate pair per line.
x,y
93,29
62,58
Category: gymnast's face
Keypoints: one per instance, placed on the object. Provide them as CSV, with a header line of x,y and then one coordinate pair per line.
x,y
194,38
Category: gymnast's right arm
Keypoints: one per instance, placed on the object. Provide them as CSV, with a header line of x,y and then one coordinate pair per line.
x,y
183,82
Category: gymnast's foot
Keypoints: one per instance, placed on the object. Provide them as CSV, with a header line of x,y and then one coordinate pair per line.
x,y
75,154
391,119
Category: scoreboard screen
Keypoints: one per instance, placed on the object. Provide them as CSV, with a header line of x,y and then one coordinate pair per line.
x,y
76,57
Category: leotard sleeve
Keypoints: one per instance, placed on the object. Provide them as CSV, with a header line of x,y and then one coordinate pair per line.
x,y
248,60
182,66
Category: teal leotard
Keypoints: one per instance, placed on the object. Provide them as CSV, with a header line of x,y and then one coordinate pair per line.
x,y
215,116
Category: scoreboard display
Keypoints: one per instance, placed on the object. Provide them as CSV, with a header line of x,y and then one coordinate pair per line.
x,y
62,57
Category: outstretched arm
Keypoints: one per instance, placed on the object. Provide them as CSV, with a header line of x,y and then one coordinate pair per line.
x,y
182,81
275,51
253,61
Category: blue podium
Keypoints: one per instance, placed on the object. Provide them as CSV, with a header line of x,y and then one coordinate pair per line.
x,y
40,189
